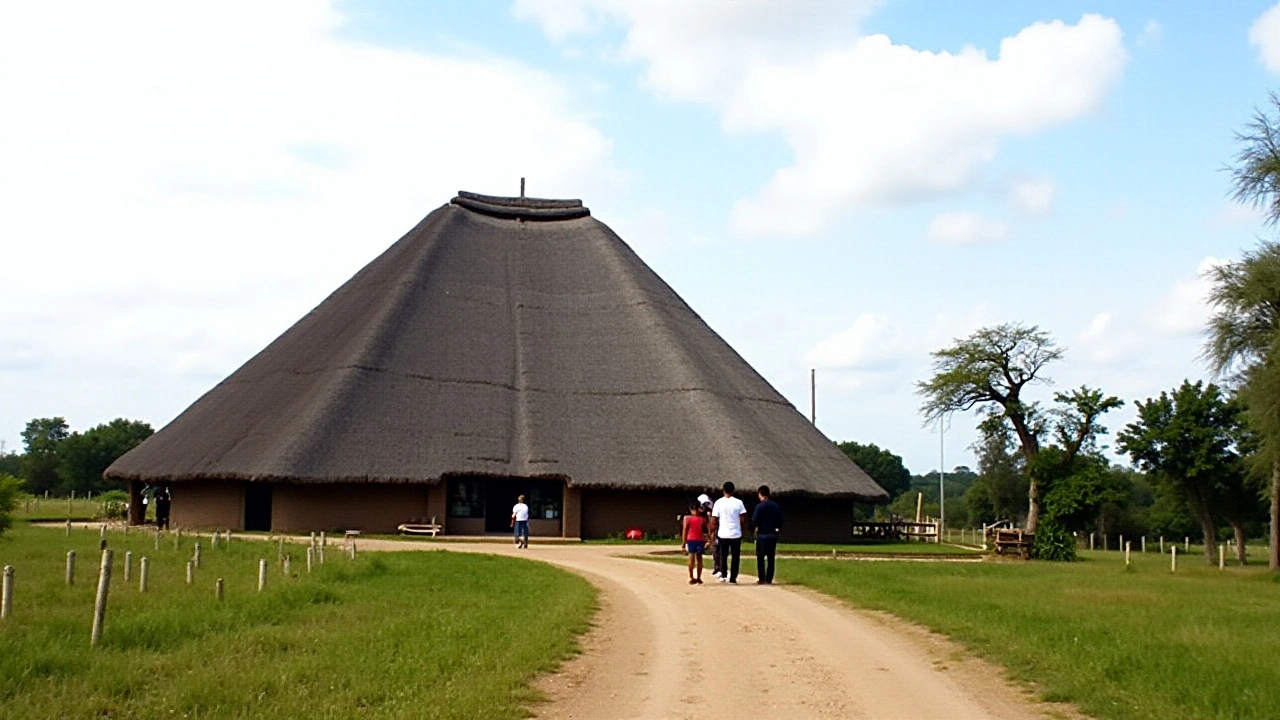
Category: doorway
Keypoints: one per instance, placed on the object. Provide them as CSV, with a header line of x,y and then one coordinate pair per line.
x,y
257,506
501,497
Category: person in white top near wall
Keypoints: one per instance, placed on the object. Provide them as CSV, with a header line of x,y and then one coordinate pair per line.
x,y
728,517
520,521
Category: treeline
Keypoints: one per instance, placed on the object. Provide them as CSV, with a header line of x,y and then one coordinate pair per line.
x,y
1203,463
59,462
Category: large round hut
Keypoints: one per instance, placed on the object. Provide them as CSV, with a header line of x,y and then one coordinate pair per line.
x,y
503,347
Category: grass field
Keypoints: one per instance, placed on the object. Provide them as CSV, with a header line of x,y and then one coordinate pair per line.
x,y
412,635
42,509
1129,645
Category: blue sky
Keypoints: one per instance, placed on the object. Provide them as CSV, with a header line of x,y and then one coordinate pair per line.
x,y
841,186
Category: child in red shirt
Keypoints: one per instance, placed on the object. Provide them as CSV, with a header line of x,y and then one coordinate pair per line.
x,y
693,540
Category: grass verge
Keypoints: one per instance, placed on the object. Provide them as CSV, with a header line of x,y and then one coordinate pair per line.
x,y
396,635
1120,644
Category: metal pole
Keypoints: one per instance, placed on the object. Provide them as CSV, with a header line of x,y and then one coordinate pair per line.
x,y
942,475
813,396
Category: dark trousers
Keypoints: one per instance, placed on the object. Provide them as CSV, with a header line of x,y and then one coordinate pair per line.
x,y
766,548
730,552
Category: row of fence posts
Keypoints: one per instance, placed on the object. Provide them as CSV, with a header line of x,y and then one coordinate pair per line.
x,y
1127,547
315,554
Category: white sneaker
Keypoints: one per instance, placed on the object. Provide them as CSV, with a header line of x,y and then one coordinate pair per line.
x,y
724,579
715,573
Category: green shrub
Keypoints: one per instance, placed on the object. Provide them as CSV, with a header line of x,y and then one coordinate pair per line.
x,y
114,505
10,487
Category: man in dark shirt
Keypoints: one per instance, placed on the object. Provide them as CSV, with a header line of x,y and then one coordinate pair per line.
x,y
767,521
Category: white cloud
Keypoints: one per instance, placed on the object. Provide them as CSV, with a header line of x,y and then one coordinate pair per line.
x,y
1151,35
872,343
1234,214
869,122
1033,196
965,228
1185,308
224,166
1265,35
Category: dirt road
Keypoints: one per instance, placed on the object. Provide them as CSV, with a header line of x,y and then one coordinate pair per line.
x,y
663,650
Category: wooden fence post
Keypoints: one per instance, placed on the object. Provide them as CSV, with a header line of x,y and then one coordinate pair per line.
x,y
6,593
324,541
280,550
1144,543
128,565
285,565
217,589
1173,563
196,558
144,571
191,572
311,553
71,567
68,527
100,603
1222,557
1126,553
262,575
1186,544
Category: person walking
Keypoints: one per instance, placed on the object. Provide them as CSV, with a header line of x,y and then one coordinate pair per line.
x,y
520,522
693,540
728,517
766,519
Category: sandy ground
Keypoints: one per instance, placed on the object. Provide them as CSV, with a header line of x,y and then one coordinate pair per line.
x,y
661,649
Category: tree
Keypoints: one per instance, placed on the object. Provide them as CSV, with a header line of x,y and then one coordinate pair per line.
x,y
82,457
992,367
1189,442
40,464
1244,331
1000,492
883,466
9,488
1243,337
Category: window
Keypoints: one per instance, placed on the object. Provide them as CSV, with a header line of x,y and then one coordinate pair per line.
x,y
466,498
545,499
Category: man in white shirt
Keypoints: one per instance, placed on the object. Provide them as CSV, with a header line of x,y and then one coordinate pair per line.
x,y
728,517
520,521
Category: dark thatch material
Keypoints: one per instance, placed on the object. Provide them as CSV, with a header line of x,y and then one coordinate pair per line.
x,y
484,344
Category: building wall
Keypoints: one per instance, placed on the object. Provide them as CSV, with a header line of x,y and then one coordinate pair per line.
x,y
368,507
819,520
208,505
436,508
572,514
613,512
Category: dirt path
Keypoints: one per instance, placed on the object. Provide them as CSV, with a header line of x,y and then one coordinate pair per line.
x,y
662,650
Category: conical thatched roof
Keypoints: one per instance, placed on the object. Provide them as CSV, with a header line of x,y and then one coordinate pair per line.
x,y
504,337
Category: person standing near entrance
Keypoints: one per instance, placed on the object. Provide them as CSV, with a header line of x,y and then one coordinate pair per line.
x,y
767,521
728,517
520,521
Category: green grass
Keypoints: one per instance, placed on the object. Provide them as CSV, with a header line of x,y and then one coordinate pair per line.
x,y
1136,644
897,548
45,510
413,635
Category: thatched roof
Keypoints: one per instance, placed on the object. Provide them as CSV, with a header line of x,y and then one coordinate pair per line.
x,y
504,337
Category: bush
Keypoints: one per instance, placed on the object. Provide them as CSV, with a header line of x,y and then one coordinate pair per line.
x,y
114,505
10,487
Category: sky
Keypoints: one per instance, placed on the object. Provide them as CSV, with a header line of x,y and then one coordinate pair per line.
x,y
842,187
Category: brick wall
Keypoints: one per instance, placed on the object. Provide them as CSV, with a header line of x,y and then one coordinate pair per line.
x,y
207,505
368,507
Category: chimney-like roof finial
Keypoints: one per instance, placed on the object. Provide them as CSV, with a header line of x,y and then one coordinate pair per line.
x,y
521,187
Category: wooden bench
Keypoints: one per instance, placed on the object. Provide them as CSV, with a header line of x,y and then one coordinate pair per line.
x,y
1013,540
432,528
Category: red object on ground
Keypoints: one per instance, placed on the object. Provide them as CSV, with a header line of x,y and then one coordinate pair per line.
x,y
635,534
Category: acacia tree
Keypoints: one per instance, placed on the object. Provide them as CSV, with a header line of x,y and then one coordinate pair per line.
x,y
992,368
1189,441
1244,332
